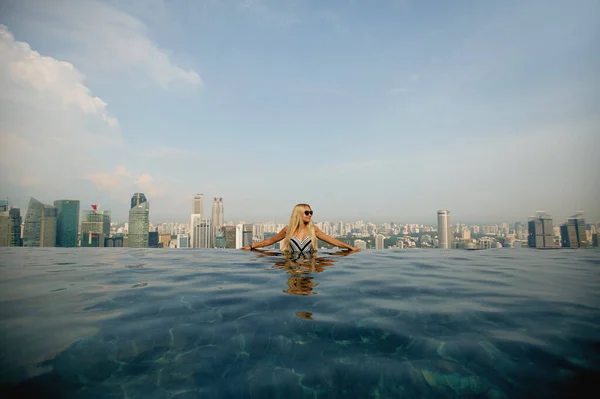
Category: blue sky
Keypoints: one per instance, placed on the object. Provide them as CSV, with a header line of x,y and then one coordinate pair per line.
x,y
385,110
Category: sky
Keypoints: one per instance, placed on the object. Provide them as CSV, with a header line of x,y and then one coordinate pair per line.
x,y
380,111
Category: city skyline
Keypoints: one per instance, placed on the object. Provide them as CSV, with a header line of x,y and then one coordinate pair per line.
x,y
374,103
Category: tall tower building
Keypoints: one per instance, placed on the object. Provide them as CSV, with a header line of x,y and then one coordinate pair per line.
x,y
40,225
229,236
139,223
573,234
201,232
10,228
247,234
540,231
379,241
67,222
198,205
95,227
217,218
137,199
444,231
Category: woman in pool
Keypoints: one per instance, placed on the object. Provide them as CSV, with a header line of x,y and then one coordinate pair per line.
x,y
300,235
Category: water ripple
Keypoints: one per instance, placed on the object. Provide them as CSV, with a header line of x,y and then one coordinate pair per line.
x,y
178,324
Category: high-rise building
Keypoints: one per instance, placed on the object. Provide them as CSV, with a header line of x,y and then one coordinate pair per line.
x,y
201,230
379,240
164,239
445,234
95,227
217,217
540,232
137,199
139,222
67,223
573,234
3,205
247,234
239,237
360,244
10,228
183,241
198,205
229,236
153,239
40,225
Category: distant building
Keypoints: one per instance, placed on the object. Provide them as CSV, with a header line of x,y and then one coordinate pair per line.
x,y
229,236
67,223
573,233
137,199
247,234
487,243
201,233
40,225
220,240
360,244
239,236
217,217
183,241
198,205
139,223
445,234
540,231
595,240
3,205
165,240
153,239
10,228
95,227
379,241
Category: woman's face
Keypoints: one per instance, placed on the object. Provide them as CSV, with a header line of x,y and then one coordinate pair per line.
x,y
306,218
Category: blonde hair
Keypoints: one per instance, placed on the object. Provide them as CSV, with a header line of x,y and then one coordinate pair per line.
x,y
295,224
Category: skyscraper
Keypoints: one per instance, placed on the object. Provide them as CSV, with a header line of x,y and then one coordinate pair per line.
x,y
229,235
379,241
201,232
217,217
40,225
137,199
139,223
247,234
10,228
67,222
95,227
444,230
198,205
573,233
540,231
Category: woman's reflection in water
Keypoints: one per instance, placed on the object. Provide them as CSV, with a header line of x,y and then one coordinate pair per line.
x,y
299,266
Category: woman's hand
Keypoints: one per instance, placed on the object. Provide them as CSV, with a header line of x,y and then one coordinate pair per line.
x,y
353,249
246,248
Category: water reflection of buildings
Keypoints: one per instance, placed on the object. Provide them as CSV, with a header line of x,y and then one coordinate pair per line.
x,y
300,267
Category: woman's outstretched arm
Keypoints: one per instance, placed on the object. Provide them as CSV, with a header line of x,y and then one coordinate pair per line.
x,y
333,241
269,241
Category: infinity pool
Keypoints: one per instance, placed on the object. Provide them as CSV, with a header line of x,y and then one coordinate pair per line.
x,y
126,323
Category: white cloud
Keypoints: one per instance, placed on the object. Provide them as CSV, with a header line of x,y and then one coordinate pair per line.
x,y
23,69
53,130
110,39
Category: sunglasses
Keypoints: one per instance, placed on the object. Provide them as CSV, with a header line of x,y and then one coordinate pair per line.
x,y
308,213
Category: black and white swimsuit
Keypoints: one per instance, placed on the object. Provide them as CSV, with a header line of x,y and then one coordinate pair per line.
x,y
302,247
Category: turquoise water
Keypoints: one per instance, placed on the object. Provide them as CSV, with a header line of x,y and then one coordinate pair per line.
x,y
125,323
